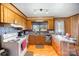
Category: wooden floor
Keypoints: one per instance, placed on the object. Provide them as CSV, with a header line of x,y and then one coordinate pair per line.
x,y
46,51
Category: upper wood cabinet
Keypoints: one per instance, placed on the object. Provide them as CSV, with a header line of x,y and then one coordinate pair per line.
x,y
17,19
24,24
1,13
20,21
8,15
51,24
29,24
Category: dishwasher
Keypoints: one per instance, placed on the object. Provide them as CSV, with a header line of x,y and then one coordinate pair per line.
x,y
48,38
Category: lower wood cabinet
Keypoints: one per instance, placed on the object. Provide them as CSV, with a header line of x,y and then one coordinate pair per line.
x,y
56,46
35,40
63,48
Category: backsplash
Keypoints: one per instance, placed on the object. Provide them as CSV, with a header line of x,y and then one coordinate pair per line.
x,y
4,30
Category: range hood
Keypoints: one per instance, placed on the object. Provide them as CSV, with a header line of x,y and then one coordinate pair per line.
x,y
16,26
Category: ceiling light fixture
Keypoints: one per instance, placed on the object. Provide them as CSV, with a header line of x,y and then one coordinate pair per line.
x,y
41,11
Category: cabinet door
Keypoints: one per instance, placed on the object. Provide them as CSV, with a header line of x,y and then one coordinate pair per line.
x,y
74,26
16,19
8,15
32,39
1,15
21,21
29,24
51,24
56,45
5,14
64,48
40,39
24,23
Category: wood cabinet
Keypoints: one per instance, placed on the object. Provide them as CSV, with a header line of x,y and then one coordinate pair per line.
x,y
78,31
9,15
16,17
24,23
67,25
51,24
71,25
56,46
74,26
40,39
63,48
35,40
20,21
1,13
29,24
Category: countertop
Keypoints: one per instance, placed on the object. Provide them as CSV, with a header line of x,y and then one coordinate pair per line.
x,y
62,38
16,39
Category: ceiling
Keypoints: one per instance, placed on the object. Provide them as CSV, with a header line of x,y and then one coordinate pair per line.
x,y
54,9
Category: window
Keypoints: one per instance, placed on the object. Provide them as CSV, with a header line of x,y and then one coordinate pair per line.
x,y
35,27
59,27
43,27
39,26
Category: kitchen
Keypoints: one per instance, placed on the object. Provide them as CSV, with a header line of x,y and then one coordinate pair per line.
x,y
39,31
